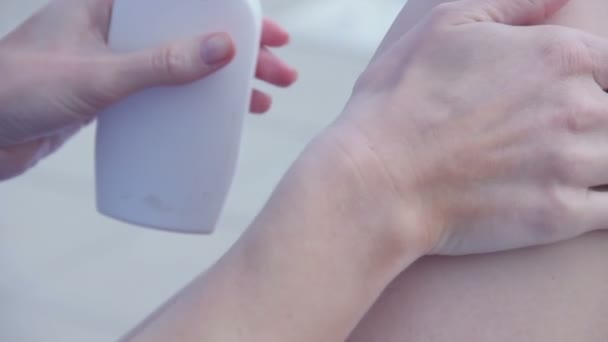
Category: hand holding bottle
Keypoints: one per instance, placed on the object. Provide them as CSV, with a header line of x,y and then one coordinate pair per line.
x,y
62,65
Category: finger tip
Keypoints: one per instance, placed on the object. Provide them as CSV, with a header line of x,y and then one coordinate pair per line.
x,y
291,77
260,111
217,49
261,105
295,76
274,34
266,107
284,38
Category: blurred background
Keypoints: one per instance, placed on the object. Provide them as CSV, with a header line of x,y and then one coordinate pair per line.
x,y
69,274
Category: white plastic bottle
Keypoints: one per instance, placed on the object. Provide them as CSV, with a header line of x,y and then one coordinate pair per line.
x,y
166,157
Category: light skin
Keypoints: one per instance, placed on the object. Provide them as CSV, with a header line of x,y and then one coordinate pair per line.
x,y
553,293
417,164
64,52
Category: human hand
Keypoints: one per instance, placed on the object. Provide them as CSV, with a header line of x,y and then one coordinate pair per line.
x,y
481,135
58,72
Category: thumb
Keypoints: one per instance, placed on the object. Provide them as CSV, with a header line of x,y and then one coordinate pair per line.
x,y
512,12
173,64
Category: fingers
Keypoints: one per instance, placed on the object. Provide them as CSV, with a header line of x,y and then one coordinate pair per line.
x,y
598,50
273,70
591,209
177,63
190,60
273,35
270,68
413,12
510,12
579,147
503,11
100,13
260,102
587,166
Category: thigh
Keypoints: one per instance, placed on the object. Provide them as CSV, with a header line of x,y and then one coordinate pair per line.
x,y
557,293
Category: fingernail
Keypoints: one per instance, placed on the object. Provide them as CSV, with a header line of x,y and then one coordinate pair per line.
x,y
216,49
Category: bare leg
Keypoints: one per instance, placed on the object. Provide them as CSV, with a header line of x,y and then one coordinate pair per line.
x,y
556,293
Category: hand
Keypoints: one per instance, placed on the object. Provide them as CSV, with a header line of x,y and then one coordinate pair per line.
x,y
58,72
479,135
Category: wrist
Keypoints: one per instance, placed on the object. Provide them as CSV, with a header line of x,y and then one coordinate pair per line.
x,y
313,262
395,195
324,240
344,197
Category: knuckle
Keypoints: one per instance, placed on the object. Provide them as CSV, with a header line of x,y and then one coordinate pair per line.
x,y
568,121
441,14
563,163
584,120
566,52
170,61
551,215
578,114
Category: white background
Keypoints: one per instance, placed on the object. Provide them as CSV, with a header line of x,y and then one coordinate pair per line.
x,y
68,274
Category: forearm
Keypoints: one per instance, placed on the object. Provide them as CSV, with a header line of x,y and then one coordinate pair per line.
x,y
308,268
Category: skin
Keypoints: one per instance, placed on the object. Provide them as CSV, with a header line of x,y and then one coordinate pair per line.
x,y
312,273
418,164
63,53
553,293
